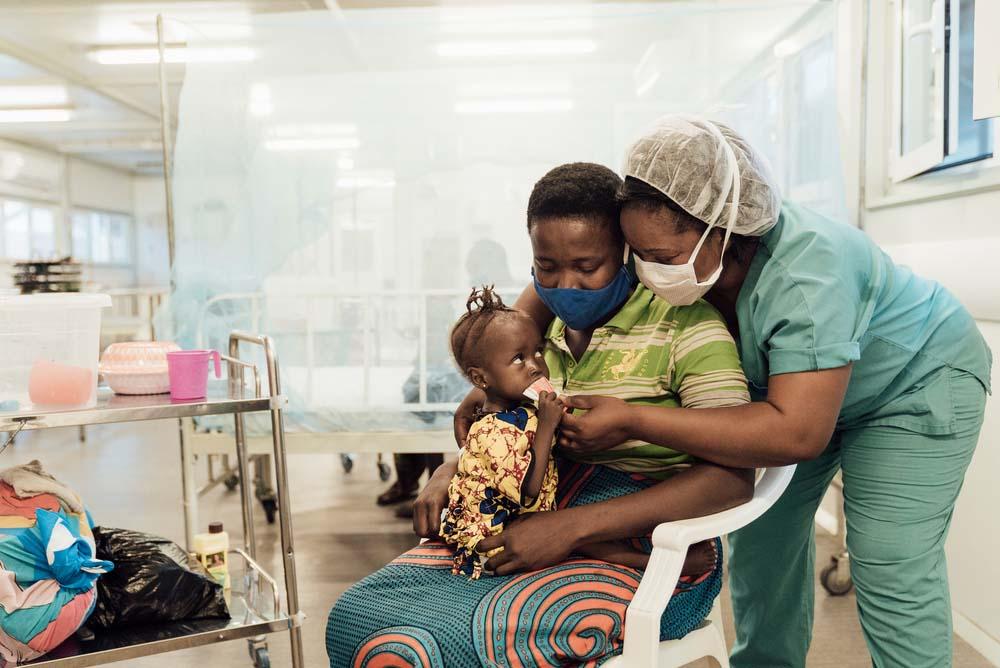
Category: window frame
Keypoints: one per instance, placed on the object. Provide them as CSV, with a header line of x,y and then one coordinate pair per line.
x,y
926,156
109,216
881,191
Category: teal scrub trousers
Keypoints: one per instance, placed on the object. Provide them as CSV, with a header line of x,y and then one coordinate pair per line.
x,y
900,488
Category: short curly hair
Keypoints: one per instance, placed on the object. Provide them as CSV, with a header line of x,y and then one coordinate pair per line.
x,y
576,190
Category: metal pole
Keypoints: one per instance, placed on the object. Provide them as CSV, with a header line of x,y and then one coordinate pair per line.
x,y
189,490
863,131
422,391
284,507
165,136
246,495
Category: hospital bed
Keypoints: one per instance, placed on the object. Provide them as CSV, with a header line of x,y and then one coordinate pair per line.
x,y
352,353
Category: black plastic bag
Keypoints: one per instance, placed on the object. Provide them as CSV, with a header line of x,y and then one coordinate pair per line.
x,y
154,581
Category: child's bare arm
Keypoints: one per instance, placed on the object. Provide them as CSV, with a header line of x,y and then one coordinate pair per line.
x,y
549,415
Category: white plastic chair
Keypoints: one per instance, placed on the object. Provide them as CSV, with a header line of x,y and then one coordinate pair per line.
x,y
671,540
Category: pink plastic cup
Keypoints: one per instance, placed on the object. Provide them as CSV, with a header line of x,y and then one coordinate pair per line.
x,y
188,371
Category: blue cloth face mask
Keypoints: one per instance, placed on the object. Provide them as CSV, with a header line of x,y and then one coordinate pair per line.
x,y
582,309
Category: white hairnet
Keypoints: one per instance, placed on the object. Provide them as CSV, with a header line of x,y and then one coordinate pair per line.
x,y
685,158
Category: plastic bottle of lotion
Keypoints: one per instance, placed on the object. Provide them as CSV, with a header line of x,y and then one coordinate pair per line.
x,y
212,550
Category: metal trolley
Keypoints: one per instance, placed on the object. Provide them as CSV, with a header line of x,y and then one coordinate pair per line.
x,y
255,605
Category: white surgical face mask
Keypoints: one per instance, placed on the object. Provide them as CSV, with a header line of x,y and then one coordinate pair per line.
x,y
678,284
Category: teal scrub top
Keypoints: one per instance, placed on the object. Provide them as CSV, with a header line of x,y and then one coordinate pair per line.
x,y
820,294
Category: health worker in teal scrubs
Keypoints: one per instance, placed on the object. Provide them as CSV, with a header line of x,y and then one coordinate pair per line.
x,y
855,364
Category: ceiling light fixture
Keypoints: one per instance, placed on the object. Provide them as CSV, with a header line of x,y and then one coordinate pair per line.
x,y
148,55
533,47
58,115
513,106
312,144
33,96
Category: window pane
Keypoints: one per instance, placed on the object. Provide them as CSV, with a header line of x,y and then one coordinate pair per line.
x,y
81,236
975,138
917,75
100,238
815,119
43,233
17,236
121,240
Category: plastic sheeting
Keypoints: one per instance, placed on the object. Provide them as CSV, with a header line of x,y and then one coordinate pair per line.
x,y
344,184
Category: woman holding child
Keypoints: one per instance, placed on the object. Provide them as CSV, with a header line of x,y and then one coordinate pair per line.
x,y
854,363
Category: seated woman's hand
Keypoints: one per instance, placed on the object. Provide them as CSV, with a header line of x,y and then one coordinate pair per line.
x,y
465,414
433,498
604,425
533,542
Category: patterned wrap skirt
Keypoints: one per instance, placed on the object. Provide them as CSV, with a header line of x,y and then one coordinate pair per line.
x,y
414,613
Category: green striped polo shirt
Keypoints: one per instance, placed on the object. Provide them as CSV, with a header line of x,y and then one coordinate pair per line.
x,y
654,354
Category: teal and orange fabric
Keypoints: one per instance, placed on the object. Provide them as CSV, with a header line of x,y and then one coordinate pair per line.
x,y
415,613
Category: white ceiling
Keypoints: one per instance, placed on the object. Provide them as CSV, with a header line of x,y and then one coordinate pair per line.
x,y
116,109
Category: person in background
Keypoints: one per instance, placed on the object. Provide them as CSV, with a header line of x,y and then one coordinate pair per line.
x,y
486,264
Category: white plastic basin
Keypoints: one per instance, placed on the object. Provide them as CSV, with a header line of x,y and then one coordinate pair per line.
x,y
49,348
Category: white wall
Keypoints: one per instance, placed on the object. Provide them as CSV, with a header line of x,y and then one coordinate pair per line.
x,y
45,176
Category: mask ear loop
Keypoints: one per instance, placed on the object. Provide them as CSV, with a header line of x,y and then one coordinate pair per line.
x,y
734,188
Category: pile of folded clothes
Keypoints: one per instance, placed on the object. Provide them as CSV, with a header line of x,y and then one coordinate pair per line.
x,y
48,567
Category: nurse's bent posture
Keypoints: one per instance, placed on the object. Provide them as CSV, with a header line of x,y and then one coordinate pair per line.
x,y
855,363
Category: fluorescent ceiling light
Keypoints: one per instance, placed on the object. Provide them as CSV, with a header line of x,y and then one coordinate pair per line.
x,y
520,20
366,182
507,26
312,144
316,130
35,115
33,96
532,47
513,106
345,163
511,88
146,55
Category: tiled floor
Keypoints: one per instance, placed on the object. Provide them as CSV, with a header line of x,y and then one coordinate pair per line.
x,y
130,477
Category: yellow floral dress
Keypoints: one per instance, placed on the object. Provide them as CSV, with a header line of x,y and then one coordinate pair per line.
x,y
485,494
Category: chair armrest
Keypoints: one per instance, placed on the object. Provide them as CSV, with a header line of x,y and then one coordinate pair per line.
x,y
681,534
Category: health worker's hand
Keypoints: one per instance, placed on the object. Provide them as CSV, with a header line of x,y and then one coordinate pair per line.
x,y
605,424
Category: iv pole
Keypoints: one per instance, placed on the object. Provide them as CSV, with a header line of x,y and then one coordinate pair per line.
x,y
166,140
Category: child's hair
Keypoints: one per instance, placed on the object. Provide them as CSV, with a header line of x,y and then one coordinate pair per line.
x,y
482,307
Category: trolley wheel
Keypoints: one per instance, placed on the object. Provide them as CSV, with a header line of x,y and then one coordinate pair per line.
x,y
270,506
347,462
833,584
384,472
261,659
231,482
